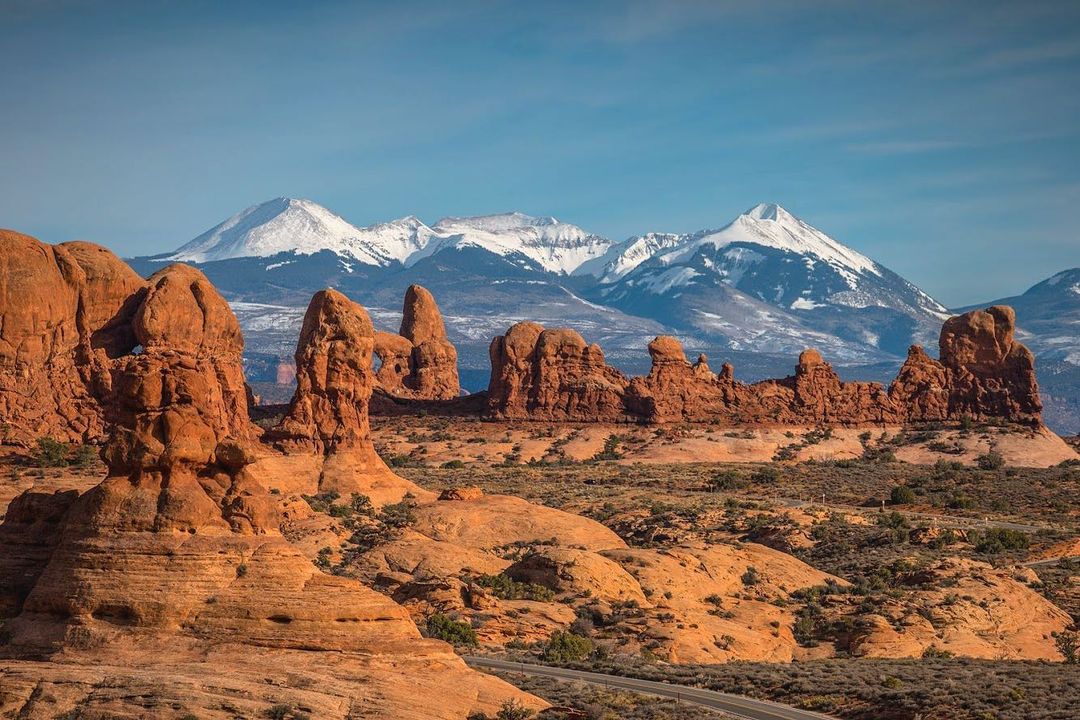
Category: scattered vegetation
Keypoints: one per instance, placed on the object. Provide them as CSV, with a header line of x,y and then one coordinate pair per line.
x,y
452,631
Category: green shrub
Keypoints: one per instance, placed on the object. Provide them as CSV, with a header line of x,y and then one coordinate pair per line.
x,y
504,588
49,452
453,464
564,647
992,541
901,495
990,461
727,480
85,456
766,475
398,515
445,628
1068,644
512,710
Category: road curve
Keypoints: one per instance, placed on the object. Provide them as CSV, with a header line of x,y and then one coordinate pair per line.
x,y
735,705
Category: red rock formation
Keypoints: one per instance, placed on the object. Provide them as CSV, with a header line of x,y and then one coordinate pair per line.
x,y
674,390
334,378
542,374
991,374
553,375
419,363
64,312
171,578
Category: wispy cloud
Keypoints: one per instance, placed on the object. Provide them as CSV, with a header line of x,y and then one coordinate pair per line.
x,y
904,147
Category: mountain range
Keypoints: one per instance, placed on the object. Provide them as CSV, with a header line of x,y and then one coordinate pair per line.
x,y
755,291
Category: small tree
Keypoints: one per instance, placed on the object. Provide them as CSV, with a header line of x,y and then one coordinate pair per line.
x,y
566,647
901,495
445,628
50,452
992,460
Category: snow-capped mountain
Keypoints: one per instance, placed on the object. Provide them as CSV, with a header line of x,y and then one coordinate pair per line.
x,y
302,227
765,282
623,257
553,246
778,260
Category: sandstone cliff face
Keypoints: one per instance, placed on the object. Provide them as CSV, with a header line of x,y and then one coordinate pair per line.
x,y
65,310
420,362
540,374
552,375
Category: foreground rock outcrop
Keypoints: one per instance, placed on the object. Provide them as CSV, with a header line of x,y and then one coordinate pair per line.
x,y
983,373
420,362
169,589
65,312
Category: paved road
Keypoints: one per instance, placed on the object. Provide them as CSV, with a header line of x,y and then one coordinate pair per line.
x,y
735,705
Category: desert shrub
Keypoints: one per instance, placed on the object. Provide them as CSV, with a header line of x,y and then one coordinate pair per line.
x,y
611,449
85,455
990,461
1068,644
398,515
901,495
727,480
50,452
765,475
512,710
445,628
992,541
505,588
565,647
453,464
751,576
935,653
280,711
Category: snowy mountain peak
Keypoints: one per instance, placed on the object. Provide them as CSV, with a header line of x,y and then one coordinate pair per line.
x,y
768,211
303,227
543,241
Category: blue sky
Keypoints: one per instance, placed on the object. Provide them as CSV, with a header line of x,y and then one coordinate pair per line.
x,y
942,139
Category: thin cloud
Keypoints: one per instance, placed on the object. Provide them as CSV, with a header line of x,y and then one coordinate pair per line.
x,y
904,147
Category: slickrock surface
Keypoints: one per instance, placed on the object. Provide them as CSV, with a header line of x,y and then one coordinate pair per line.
x,y
168,588
967,608
64,312
552,375
420,362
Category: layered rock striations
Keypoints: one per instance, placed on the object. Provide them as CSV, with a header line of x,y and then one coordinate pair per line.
x,y
540,374
169,589
420,362
65,312
983,373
